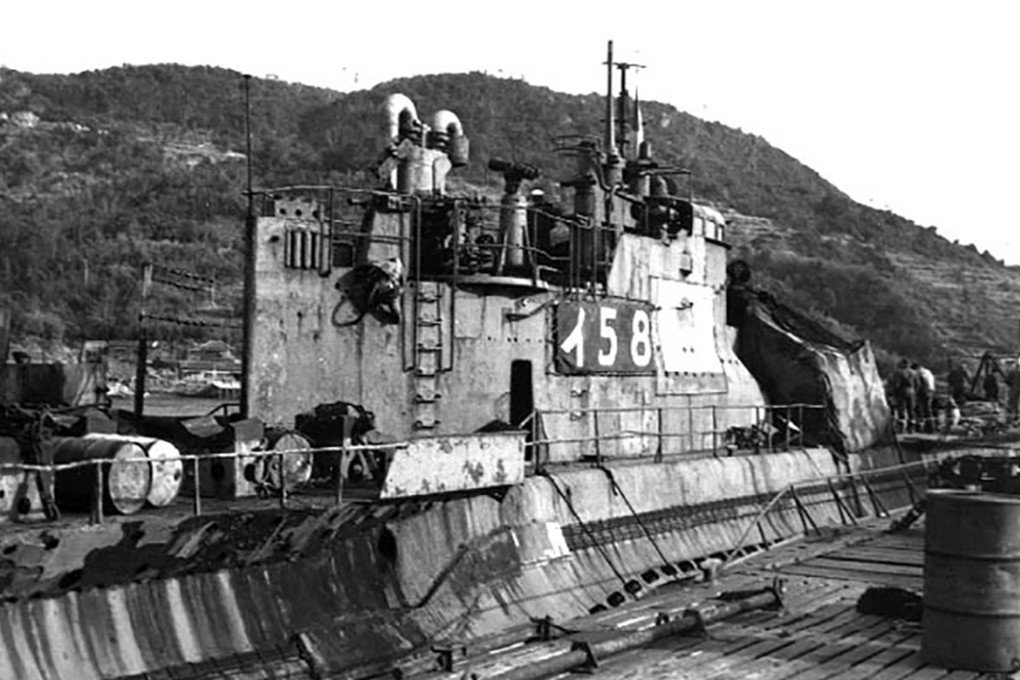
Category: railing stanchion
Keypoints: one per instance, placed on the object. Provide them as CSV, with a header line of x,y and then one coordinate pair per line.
x,y
690,427
283,481
341,457
97,495
789,426
757,428
661,447
198,487
715,431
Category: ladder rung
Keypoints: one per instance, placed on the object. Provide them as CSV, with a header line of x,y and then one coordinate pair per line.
x,y
422,399
427,297
430,348
419,425
429,322
424,373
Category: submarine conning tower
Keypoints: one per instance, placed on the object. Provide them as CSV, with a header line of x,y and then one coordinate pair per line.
x,y
596,322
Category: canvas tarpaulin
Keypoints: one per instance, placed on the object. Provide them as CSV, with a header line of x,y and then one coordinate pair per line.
x,y
798,361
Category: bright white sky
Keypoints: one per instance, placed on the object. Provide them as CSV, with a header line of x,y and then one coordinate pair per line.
x,y
908,105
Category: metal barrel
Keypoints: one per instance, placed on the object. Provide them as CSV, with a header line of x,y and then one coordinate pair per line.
x,y
125,483
10,479
165,462
297,465
972,581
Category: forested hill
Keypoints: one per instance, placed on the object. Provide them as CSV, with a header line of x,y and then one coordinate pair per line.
x,y
102,171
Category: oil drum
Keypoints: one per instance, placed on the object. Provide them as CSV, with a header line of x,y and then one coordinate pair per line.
x,y
10,478
972,581
125,483
165,462
297,463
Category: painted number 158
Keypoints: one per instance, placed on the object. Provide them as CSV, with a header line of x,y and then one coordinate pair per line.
x,y
636,336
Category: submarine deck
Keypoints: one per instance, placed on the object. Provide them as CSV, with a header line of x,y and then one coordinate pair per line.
x,y
819,633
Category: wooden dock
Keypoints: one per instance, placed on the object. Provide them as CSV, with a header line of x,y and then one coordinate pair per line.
x,y
817,635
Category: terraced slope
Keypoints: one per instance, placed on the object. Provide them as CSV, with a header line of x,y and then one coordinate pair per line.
x,y
972,306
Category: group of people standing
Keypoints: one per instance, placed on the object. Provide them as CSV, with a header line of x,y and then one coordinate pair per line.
x,y
912,392
917,406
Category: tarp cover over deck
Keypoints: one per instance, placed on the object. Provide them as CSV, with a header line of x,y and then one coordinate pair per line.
x,y
797,361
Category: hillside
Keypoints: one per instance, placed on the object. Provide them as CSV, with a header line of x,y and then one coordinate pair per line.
x,y
102,171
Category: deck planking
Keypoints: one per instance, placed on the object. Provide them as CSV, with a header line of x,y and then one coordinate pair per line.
x,y
818,635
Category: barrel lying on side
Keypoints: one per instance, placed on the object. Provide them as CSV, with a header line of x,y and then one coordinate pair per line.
x,y
125,481
165,463
972,581
296,461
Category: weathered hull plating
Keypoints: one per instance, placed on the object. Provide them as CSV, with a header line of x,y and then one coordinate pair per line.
x,y
350,587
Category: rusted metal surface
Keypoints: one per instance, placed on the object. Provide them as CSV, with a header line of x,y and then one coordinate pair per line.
x,y
452,464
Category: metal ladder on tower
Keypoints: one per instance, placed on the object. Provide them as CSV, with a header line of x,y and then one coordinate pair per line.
x,y
428,353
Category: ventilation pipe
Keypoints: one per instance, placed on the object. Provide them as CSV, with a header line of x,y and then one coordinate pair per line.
x,y
448,135
401,117
513,214
403,126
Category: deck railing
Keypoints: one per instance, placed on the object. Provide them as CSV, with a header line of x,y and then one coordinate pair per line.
x,y
191,462
760,428
655,445
789,498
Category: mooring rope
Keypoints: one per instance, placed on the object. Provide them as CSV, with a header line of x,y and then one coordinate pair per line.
x,y
585,529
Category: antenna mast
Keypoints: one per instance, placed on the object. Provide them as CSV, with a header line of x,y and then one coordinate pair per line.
x,y
248,322
624,115
610,141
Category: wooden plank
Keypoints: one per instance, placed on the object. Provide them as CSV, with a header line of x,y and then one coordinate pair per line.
x,y
758,654
929,673
852,575
822,619
902,669
778,658
835,569
851,656
868,567
872,666
893,542
883,555
696,661
641,664
810,653
909,536
861,629
802,551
